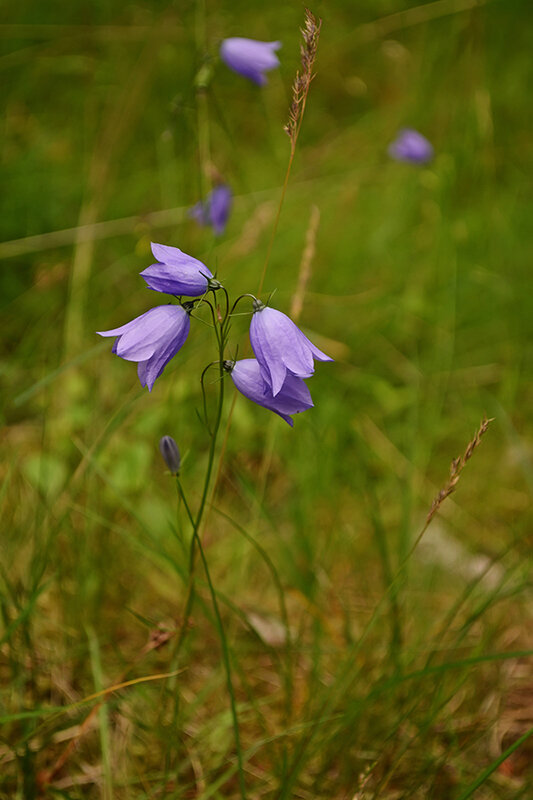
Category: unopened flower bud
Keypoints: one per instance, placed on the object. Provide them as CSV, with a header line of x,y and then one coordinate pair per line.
x,y
171,454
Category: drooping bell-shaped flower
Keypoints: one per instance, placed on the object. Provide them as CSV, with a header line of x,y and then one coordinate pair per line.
x,y
280,347
411,146
292,398
215,209
250,57
152,340
176,272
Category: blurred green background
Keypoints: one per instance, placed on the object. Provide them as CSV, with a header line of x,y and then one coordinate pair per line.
x,y
420,289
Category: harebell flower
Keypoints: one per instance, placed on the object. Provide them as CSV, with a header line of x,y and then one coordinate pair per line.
x,y
215,209
293,396
249,57
280,347
411,146
152,340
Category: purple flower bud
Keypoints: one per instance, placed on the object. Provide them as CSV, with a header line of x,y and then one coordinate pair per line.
x,y
152,340
176,273
215,209
249,57
171,454
281,348
292,398
411,146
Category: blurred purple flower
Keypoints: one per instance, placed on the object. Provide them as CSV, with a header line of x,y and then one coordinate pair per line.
x,y
280,347
249,57
151,339
214,210
293,397
176,273
411,146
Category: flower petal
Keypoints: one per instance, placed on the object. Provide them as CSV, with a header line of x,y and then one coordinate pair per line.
x,y
152,339
185,280
293,397
176,273
279,345
140,335
149,331
175,257
154,366
267,351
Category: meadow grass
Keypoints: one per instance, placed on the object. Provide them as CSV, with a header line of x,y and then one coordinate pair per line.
x,y
360,667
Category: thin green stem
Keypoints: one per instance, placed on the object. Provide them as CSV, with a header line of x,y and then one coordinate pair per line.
x,y
392,583
221,328
283,610
494,766
196,522
227,665
204,150
238,300
212,448
276,221
190,587
184,500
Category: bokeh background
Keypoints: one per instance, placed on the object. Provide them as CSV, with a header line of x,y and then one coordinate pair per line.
x,y
421,290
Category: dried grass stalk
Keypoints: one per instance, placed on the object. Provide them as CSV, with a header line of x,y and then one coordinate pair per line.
x,y
457,466
305,264
302,81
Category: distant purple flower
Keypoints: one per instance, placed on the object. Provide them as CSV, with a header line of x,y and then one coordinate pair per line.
x,y
280,347
176,273
214,210
411,146
249,57
151,339
292,398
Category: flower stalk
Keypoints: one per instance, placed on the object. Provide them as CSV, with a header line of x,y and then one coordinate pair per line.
x,y
221,330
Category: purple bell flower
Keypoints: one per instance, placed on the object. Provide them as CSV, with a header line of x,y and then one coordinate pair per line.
x,y
293,397
152,340
215,209
249,57
281,348
176,272
411,146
